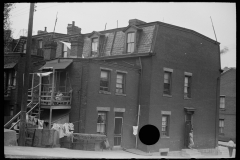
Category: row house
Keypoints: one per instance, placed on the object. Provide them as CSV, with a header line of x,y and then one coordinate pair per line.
x,y
227,113
167,73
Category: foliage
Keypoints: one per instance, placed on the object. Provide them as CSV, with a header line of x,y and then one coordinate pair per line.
x,y
7,23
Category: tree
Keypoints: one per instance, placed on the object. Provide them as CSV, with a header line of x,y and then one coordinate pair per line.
x,y
7,25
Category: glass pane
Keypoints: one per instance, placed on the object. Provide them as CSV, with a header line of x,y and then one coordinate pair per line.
x,y
119,85
119,76
129,37
119,80
132,47
103,83
132,37
104,74
118,126
166,76
164,118
186,80
185,90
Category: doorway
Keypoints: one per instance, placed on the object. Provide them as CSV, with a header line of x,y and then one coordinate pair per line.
x,y
188,127
118,121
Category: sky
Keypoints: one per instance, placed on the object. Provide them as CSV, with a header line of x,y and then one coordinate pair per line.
x,y
94,16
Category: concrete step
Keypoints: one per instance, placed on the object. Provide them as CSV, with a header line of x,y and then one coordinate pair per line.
x,y
190,153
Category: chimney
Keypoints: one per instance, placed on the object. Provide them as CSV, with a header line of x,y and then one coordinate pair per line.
x,y
77,47
45,29
72,29
50,48
135,22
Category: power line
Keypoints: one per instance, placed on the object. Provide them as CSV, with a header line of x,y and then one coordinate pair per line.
x,y
26,12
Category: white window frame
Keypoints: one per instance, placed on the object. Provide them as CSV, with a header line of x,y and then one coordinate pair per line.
x,y
99,125
221,126
222,104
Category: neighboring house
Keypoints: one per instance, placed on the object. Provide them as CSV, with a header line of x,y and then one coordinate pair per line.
x,y
169,72
227,113
14,64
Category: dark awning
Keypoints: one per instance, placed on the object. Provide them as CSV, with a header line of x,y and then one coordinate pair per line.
x,y
9,65
57,64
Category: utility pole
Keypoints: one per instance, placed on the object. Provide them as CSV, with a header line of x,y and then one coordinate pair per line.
x,y
26,77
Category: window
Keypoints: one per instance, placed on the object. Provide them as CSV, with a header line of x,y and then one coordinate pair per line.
x,y
65,49
94,46
25,47
105,80
221,126
14,78
165,125
167,83
120,83
130,42
222,102
39,43
101,122
187,87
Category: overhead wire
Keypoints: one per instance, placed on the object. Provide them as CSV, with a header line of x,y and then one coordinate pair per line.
x,y
26,12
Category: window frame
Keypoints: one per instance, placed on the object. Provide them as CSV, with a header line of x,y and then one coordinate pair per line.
x,y
108,71
64,51
40,46
132,43
124,75
170,83
187,95
220,104
165,134
104,124
93,53
221,127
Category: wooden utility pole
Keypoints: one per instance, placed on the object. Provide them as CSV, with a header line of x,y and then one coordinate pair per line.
x,y
26,77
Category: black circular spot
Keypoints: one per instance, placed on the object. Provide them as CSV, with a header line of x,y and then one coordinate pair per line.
x,y
149,134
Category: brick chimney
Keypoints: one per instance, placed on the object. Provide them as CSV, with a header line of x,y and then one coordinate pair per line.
x,y
77,47
72,29
50,48
42,32
135,22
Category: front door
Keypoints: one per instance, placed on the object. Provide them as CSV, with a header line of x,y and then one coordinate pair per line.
x,y
118,131
188,127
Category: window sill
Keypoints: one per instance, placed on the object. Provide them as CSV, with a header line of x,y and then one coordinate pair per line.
x,y
222,109
187,98
104,92
120,94
165,137
166,95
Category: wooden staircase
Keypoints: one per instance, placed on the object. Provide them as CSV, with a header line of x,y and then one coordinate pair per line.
x,y
19,45
33,109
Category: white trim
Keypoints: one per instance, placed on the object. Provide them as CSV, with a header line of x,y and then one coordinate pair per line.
x,y
119,109
166,112
187,73
167,69
102,68
103,108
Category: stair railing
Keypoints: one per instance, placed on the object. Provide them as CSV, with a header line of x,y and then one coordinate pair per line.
x,y
16,116
26,113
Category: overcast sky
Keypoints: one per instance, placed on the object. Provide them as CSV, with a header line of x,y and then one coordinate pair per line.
x,y
93,17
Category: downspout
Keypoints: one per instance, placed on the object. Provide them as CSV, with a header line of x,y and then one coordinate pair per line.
x,y
217,103
139,95
217,112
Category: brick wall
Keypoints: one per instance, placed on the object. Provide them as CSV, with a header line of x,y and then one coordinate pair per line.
x,y
228,88
185,52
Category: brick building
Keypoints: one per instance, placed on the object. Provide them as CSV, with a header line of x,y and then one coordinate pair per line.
x,y
227,113
168,72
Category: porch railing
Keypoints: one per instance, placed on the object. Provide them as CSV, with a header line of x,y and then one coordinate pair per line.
x,y
65,99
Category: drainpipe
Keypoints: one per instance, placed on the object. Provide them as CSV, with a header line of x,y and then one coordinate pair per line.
x,y
217,112
139,93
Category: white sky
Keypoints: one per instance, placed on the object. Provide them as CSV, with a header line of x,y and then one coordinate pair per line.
x,y
93,17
